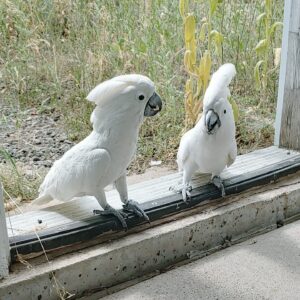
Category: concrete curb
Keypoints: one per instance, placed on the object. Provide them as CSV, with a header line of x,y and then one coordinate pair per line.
x,y
96,268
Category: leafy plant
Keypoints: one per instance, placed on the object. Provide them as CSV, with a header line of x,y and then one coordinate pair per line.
x,y
198,64
264,47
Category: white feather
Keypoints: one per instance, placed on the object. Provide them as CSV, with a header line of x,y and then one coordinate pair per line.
x,y
110,89
218,86
42,200
103,156
210,153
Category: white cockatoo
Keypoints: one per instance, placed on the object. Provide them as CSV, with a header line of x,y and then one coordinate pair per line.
x,y
103,156
210,146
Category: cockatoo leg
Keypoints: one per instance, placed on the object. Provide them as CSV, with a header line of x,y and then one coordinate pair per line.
x,y
133,206
108,210
217,181
186,193
184,189
129,205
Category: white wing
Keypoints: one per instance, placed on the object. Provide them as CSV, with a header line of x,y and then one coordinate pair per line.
x,y
79,172
183,150
232,154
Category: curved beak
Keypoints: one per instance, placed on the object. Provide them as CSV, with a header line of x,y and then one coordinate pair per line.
x,y
153,106
212,121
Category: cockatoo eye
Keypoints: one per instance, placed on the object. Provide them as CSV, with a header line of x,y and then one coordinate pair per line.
x,y
141,97
224,111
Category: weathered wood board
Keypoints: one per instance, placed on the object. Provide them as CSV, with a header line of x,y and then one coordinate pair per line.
x,y
287,127
74,222
4,243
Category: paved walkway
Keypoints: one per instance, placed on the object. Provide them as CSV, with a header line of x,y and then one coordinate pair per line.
x,y
265,267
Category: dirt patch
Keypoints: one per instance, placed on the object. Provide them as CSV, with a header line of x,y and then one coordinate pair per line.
x,y
32,138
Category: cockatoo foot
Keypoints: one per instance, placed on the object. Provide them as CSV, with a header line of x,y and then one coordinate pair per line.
x,y
185,190
111,211
186,194
217,181
134,207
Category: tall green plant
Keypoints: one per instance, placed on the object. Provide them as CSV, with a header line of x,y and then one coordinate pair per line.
x,y
264,47
198,63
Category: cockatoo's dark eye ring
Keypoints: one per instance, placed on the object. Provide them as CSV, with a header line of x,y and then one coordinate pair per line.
x,y
141,97
224,111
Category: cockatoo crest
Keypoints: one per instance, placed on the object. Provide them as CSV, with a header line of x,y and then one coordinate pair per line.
x,y
112,88
218,86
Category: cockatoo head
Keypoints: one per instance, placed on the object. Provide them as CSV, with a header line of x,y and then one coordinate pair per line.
x,y
216,108
131,96
218,114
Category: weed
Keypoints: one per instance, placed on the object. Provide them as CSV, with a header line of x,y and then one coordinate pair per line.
x,y
16,182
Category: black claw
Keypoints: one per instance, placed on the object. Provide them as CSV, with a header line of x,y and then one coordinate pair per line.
x,y
111,211
185,190
217,181
188,199
133,206
223,190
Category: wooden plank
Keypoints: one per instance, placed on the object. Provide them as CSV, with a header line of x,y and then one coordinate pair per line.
x,y
256,168
152,190
287,125
4,242
282,73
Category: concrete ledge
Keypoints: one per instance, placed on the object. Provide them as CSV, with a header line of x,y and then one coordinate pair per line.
x,y
218,225
262,267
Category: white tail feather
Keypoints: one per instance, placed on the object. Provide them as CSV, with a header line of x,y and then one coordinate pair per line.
x,y
42,200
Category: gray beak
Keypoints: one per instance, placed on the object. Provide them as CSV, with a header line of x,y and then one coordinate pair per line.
x,y
153,106
212,121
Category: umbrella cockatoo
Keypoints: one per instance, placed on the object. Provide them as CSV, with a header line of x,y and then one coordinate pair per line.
x,y
103,156
210,146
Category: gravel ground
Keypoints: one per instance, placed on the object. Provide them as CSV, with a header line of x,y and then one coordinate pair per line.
x,y
35,139
32,138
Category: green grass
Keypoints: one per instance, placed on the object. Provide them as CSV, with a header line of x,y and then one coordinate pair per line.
x,y
59,50
16,181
